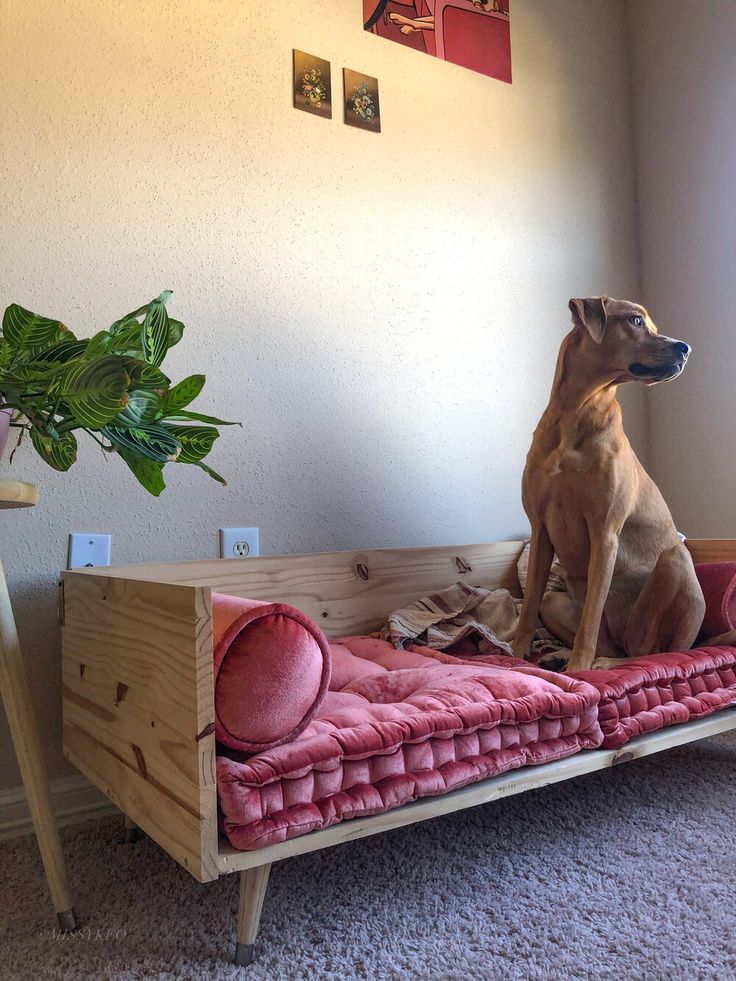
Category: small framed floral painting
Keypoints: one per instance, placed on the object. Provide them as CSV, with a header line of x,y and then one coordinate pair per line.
x,y
361,101
312,84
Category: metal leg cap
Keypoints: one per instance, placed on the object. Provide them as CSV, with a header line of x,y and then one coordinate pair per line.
x,y
67,920
243,955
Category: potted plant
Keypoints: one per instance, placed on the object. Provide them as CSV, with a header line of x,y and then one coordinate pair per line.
x,y
109,386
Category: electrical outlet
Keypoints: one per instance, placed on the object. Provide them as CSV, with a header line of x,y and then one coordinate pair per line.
x,y
87,550
237,543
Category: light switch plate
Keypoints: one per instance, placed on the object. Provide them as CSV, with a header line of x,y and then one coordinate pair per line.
x,y
87,550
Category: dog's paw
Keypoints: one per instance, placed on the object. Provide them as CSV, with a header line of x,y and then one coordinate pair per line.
x,y
606,663
554,660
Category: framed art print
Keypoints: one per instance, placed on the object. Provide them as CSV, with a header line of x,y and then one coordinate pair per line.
x,y
362,107
474,34
312,84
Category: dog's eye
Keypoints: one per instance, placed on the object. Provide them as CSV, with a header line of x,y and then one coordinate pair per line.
x,y
637,321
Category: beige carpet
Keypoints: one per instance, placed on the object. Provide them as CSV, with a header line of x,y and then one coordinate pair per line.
x,y
628,874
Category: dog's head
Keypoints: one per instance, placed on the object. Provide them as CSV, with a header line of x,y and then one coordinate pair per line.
x,y
624,338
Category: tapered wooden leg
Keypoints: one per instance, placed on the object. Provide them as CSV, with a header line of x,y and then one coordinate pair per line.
x,y
24,731
131,831
253,884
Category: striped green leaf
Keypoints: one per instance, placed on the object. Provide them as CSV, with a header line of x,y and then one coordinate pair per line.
x,y
142,407
98,345
212,473
125,337
152,442
24,329
182,394
183,415
196,441
58,453
155,330
176,330
146,376
149,473
127,340
128,319
94,391
30,374
63,352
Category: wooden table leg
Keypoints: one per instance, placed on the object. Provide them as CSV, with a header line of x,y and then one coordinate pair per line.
x,y
253,883
24,731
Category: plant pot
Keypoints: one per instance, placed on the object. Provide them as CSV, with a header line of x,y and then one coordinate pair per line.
x,y
5,417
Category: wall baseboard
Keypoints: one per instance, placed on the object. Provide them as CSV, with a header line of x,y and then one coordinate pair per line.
x,y
74,799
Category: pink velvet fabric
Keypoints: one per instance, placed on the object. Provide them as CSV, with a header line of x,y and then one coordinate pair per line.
x,y
648,693
400,725
718,582
272,668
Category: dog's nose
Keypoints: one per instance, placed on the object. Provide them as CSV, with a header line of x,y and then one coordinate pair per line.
x,y
682,348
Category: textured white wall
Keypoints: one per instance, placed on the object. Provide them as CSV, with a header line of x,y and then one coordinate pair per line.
x,y
381,312
684,85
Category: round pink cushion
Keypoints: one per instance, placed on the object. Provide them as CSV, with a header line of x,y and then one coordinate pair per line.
x,y
272,668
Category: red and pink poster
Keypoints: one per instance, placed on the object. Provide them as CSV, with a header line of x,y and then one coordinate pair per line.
x,y
472,33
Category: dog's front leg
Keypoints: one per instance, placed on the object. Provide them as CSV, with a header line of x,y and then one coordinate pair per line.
x,y
541,553
603,552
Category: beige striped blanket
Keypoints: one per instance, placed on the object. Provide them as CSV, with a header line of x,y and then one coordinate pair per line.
x,y
447,617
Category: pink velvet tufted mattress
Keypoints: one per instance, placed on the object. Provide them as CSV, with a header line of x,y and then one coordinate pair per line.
x,y
399,725
649,693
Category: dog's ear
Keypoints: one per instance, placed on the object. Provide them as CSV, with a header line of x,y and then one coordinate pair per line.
x,y
590,315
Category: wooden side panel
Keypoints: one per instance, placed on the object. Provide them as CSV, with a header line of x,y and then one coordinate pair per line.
x,y
344,592
138,706
712,549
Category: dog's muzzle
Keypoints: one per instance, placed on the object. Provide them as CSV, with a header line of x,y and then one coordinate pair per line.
x,y
664,372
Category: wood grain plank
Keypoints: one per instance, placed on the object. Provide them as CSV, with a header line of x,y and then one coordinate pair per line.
x,y
17,494
344,592
712,549
138,706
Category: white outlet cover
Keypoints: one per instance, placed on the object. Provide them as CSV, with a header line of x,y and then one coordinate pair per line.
x,y
239,543
86,550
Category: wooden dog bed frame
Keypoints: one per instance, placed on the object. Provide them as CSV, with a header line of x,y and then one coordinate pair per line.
x,y
138,693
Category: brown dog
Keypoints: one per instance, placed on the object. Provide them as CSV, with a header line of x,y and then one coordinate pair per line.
x,y
632,588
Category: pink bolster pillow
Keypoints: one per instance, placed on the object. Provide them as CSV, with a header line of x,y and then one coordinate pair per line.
x,y
718,582
272,669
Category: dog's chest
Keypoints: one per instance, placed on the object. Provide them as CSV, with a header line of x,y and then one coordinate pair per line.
x,y
566,487
557,478
560,499
563,462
